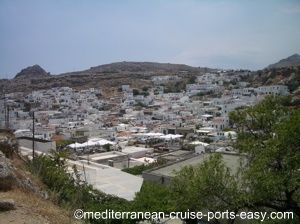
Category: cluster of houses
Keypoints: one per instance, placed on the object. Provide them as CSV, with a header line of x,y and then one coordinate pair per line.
x,y
133,128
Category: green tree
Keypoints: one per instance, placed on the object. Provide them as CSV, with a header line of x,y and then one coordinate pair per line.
x,y
267,180
61,144
273,175
153,197
192,80
210,186
269,134
145,88
135,92
107,147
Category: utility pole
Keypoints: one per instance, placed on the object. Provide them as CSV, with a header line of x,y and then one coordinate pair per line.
x,y
6,110
7,117
84,172
5,113
33,135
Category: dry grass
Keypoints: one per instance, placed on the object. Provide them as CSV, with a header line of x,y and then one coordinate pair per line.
x,y
6,184
32,209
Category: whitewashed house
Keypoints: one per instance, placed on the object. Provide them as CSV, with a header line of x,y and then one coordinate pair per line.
x,y
273,90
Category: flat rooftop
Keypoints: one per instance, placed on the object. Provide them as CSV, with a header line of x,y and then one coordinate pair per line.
x,y
109,179
232,161
102,156
178,153
175,155
134,149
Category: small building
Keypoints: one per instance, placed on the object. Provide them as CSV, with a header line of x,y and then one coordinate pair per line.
x,y
273,90
164,174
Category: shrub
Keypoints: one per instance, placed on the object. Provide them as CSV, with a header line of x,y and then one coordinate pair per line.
x,y
69,188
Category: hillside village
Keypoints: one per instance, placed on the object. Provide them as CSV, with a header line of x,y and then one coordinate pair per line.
x,y
149,112
153,128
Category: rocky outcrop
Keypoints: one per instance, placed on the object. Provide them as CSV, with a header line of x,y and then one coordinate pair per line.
x,y
7,204
32,72
6,174
293,60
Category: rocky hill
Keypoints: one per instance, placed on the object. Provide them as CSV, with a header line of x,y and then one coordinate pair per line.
x,y
103,76
32,72
138,74
284,72
138,67
289,76
293,60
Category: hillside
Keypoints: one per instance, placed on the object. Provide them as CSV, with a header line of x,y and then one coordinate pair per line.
x,y
289,76
284,72
23,197
104,76
143,67
119,67
138,74
32,72
293,60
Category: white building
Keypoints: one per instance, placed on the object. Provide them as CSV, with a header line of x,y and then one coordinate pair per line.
x,y
273,90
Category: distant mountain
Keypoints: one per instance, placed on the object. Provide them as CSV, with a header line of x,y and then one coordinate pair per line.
x,y
136,68
32,72
137,74
293,60
142,66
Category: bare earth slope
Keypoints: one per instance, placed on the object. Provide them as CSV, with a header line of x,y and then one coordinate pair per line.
x,y
109,75
138,74
293,60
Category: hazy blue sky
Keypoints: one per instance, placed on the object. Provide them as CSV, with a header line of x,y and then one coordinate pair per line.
x,y
67,35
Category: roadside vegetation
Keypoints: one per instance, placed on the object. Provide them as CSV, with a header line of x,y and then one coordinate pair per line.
x,y
138,170
69,190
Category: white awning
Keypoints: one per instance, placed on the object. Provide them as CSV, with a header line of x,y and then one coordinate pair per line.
x,y
75,145
170,136
92,142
